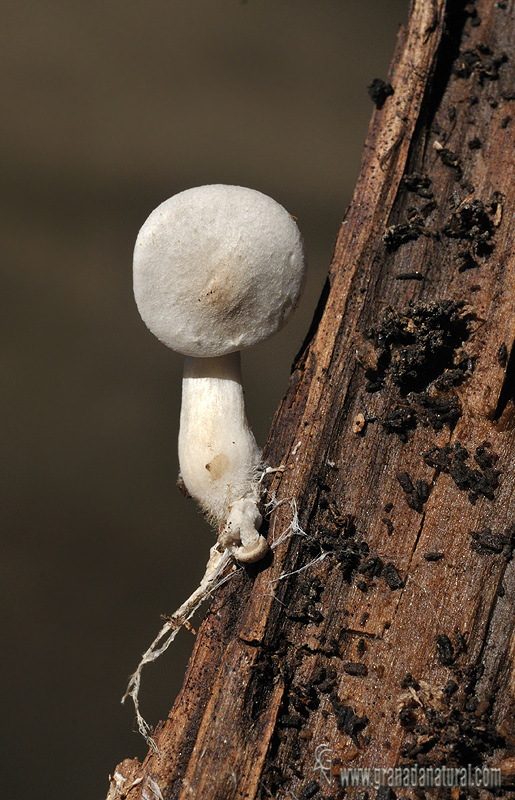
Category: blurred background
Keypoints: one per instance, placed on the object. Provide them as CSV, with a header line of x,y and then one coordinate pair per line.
x,y
110,107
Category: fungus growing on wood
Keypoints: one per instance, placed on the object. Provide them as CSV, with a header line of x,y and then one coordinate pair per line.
x,y
217,269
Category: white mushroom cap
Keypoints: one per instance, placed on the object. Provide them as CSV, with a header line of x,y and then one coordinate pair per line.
x,y
217,268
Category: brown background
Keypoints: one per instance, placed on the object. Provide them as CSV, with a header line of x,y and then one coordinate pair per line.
x,y
110,106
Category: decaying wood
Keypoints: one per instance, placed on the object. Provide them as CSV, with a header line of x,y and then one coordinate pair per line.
x,y
385,631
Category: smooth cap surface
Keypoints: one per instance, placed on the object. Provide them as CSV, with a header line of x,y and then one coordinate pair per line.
x,y
217,268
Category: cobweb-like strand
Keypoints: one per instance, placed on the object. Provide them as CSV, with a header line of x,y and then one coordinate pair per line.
x,y
212,580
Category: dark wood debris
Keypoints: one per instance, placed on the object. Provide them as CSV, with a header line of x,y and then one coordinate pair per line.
x,y
379,91
480,481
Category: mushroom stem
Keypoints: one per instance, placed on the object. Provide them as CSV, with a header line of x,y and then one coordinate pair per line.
x,y
218,455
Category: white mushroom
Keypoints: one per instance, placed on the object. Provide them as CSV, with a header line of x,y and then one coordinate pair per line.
x,y
217,269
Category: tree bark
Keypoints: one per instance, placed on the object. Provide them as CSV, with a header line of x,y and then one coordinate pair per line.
x,y
383,625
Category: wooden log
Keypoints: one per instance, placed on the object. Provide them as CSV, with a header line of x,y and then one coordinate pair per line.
x,y
381,632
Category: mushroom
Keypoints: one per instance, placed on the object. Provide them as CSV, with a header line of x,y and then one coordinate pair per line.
x,y
217,269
